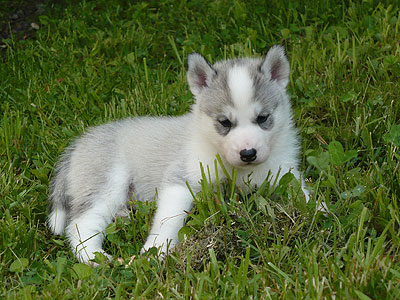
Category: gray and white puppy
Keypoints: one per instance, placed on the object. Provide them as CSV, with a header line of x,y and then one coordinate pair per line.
x,y
241,112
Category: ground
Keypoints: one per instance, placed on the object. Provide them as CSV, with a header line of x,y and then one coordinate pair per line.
x,y
20,18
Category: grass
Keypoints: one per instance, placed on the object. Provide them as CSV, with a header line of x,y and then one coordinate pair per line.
x,y
96,61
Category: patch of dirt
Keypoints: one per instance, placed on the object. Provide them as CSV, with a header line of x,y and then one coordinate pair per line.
x,y
20,18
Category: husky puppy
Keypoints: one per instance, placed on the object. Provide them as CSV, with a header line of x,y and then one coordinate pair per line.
x,y
241,112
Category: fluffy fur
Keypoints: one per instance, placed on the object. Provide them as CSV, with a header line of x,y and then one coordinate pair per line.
x,y
241,112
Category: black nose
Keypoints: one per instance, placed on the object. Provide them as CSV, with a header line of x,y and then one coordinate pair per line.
x,y
248,155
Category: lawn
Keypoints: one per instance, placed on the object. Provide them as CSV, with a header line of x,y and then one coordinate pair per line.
x,y
90,62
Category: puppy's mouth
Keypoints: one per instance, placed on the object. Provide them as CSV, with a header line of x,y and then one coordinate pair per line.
x,y
244,164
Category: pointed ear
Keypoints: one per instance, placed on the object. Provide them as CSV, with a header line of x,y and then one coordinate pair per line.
x,y
199,74
276,66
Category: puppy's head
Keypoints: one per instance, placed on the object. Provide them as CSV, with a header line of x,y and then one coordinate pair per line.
x,y
241,105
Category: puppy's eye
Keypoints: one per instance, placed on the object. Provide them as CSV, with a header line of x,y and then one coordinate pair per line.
x,y
225,123
262,119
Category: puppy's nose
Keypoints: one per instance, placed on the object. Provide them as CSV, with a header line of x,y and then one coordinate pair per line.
x,y
248,155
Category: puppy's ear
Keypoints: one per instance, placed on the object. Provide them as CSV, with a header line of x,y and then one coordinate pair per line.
x,y
276,66
199,74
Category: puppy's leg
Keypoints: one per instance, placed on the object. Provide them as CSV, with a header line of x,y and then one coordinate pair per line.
x,y
86,228
86,232
173,203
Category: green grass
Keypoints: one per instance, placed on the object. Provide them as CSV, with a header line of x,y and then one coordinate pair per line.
x,y
96,61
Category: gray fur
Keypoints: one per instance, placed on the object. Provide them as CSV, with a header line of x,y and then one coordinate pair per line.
x,y
58,184
219,93
83,167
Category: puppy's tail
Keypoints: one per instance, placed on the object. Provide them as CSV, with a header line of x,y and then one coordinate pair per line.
x,y
58,198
